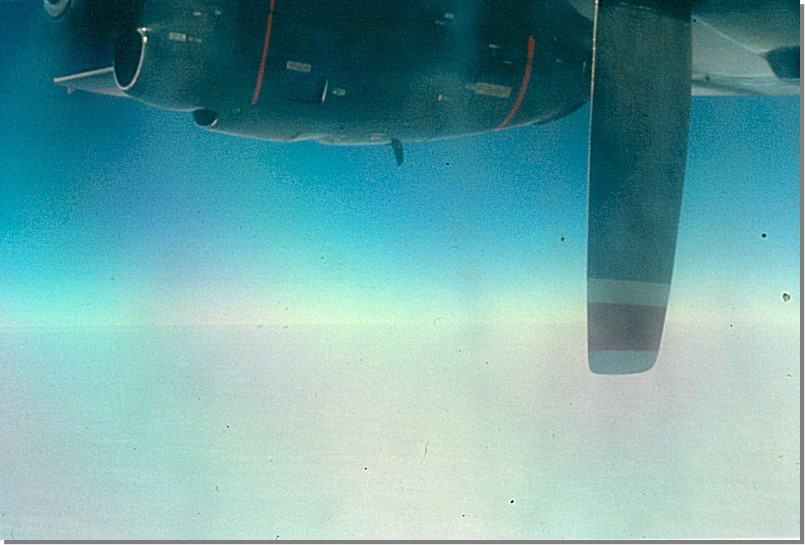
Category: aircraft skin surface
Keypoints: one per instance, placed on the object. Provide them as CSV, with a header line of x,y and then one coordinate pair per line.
x,y
372,72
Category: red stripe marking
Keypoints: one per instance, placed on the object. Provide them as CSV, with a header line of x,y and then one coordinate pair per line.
x,y
523,85
262,72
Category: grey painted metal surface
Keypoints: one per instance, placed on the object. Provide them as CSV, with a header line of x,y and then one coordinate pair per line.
x,y
638,146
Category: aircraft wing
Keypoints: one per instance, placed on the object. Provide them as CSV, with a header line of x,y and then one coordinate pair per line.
x,y
718,85
740,47
729,59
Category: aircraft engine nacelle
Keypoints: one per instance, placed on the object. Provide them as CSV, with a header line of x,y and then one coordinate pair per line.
x,y
150,63
149,68
81,33
98,16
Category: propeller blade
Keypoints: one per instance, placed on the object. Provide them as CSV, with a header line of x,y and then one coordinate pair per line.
x,y
640,109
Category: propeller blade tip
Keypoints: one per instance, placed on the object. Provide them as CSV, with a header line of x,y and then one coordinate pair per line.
x,y
621,362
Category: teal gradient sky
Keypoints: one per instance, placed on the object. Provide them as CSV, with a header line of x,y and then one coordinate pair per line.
x,y
205,337
115,214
